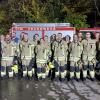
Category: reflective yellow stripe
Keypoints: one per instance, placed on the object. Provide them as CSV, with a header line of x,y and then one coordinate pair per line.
x,y
33,70
26,57
30,73
61,58
39,75
65,72
62,75
92,74
75,59
24,73
3,73
10,74
78,75
41,61
57,73
85,74
7,58
71,74
43,75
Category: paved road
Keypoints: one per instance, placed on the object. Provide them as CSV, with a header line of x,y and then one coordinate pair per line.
x,y
48,90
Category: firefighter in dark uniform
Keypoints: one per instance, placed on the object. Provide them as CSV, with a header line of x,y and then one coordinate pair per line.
x,y
98,53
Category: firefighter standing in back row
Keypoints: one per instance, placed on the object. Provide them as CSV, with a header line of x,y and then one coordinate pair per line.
x,y
89,56
59,47
75,49
41,59
8,53
98,53
26,50
80,37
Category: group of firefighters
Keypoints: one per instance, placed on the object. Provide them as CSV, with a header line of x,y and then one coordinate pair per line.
x,y
58,57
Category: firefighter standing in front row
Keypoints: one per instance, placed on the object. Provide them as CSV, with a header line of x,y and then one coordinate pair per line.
x,y
48,53
68,41
75,50
59,47
89,56
15,66
26,50
8,53
41,59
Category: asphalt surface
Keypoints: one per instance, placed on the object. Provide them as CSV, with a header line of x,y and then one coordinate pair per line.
x,y
48,90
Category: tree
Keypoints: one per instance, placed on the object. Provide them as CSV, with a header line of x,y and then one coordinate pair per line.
x,y
44,11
